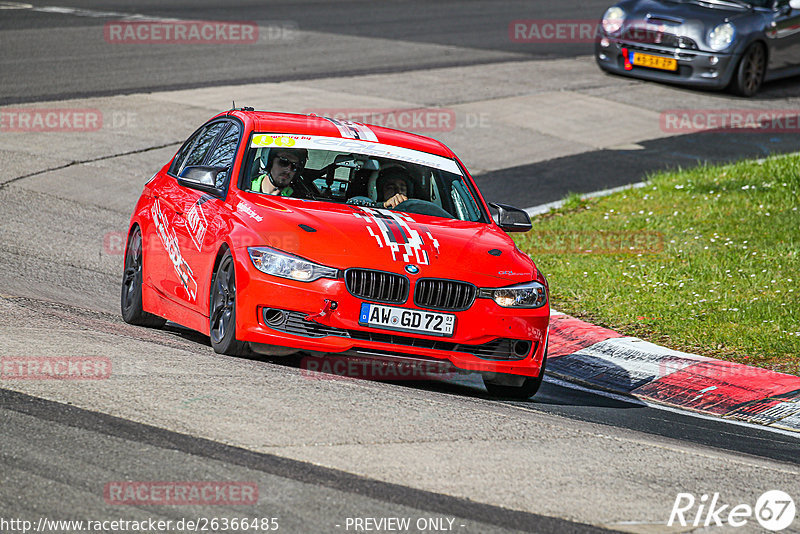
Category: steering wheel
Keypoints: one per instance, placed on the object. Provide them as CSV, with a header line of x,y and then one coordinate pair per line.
x,y
364,201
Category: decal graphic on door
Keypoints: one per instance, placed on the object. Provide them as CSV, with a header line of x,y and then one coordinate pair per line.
x,y
170,241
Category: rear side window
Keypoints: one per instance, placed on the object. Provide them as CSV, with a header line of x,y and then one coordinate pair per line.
x,y
222,155
196,149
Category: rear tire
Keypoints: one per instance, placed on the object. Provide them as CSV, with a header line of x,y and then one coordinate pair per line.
x,y
530,385
222,310
131,297
749,75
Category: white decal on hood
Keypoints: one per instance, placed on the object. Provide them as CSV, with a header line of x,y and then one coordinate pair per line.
x,y
353,130
391,229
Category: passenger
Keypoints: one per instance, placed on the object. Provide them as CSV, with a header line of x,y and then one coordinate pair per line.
x,y
394,185
283,165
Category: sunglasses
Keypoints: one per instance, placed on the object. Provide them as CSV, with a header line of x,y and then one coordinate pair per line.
x,y
286,162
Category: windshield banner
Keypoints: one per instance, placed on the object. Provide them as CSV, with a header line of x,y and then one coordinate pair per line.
x,y
368,148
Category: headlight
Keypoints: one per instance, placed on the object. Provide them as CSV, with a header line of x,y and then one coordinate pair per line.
x,y
276,263
527,295
612,19
722,36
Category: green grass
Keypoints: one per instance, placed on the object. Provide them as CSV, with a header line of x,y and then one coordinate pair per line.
x,y
714,266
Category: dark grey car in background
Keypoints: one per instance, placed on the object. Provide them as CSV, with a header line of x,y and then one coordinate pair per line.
x,y
703,43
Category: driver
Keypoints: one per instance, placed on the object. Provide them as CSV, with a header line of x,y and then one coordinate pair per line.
x,y
283,164
394,186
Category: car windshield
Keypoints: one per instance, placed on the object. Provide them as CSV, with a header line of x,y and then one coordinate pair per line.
x,y
351,171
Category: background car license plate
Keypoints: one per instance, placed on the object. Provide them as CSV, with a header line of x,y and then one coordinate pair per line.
x,y
391,318
654,62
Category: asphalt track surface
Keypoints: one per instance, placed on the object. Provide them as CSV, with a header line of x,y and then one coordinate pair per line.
x,y
48,47
55,456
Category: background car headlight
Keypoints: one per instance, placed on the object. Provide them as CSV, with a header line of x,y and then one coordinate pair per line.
x,y
722,36
527,295
277,263
612,19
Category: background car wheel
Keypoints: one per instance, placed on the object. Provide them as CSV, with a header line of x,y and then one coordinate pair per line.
x,y
222,310
749,74
528,388
131,298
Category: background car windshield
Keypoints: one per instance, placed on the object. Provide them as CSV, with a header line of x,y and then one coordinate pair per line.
x,y
756,3
368,180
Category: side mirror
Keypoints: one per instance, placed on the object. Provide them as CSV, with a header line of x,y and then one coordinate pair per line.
x,y
512,219
202,178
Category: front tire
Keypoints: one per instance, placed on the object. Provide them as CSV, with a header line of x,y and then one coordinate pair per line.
x,y
222,310
131,297
750,72
524,391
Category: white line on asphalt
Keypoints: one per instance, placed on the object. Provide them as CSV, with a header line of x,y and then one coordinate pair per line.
x,y
82,12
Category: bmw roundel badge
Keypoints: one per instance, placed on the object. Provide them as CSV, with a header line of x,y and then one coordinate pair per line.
x,y
412,269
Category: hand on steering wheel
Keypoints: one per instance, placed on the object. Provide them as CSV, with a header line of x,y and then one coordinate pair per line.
x,y
395,201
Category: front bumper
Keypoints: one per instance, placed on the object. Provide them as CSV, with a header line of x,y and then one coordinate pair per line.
x,y
695,67
487,337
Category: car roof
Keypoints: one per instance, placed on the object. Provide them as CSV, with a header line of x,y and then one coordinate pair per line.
x,y
267,122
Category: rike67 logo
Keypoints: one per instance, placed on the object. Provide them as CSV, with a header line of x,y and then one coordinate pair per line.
x,y
774,510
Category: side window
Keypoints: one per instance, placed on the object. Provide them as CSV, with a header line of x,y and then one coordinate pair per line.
x,y
180,157
222,155
197,152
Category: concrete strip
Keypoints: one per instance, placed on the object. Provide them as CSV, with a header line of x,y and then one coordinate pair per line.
x,y
286,97
451,86
573,117
468,123
126,124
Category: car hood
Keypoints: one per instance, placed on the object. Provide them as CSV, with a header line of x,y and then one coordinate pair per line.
x,y
344,236
689,19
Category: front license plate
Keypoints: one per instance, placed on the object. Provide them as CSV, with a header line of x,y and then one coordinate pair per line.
x,y
406,320
654,62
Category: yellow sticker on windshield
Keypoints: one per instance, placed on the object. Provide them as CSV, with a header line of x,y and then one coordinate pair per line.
x,y
270,140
